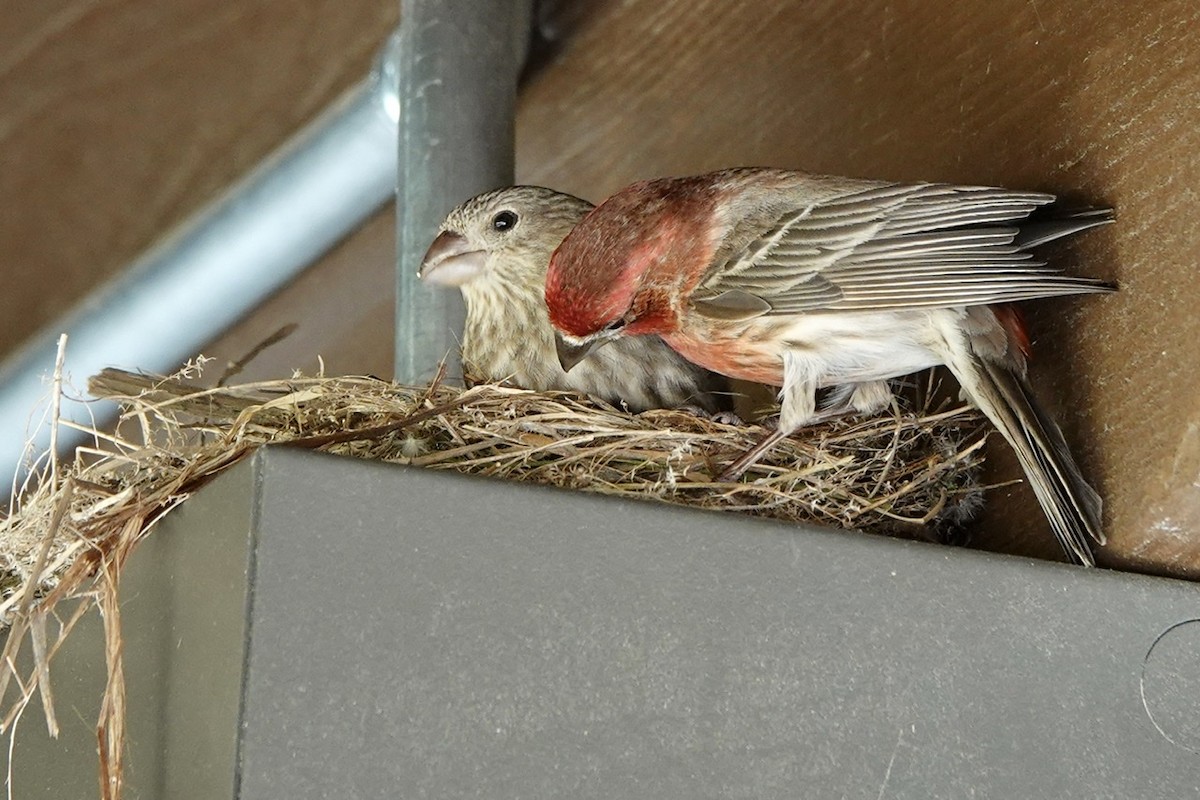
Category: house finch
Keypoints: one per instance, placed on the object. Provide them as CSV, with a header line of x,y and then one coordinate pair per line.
x,y
806,282
495,248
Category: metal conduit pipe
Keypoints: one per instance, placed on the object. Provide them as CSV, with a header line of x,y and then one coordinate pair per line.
x,y
218,265
300,201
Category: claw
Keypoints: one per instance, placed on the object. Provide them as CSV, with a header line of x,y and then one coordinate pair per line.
x,y
727,418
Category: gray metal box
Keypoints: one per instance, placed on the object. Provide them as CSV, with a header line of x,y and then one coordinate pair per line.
x,y
318,627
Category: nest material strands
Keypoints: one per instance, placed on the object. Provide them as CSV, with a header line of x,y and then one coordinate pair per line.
x,y
884,474
68,537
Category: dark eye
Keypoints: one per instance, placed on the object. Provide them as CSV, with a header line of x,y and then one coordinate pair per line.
x,y
616,324
504,221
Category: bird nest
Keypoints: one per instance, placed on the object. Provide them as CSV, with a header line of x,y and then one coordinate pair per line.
x,y
66,538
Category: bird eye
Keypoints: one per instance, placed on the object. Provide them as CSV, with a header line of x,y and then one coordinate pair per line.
x,y
616,324
504,221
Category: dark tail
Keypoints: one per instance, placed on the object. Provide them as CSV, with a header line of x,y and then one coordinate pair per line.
x,y
1038,231
1072,506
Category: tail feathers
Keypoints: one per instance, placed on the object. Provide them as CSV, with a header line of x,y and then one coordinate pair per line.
x,y
1072,506
1037,232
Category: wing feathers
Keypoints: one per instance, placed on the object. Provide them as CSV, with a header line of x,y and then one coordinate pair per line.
x,y
899,246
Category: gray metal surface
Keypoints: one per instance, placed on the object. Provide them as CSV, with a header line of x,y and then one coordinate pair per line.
x,y
221,263
459,64
184,602
422,634
427,635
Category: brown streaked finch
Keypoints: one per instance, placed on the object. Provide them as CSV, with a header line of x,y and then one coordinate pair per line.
x,y
495,248
808,282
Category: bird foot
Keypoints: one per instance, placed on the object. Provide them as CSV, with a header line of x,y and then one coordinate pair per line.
x,y
727,418
777,433
722,417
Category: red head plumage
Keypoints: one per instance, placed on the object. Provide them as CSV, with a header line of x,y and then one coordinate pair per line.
x,y
628,254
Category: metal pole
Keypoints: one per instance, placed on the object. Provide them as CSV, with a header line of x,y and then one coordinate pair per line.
x,y
459,64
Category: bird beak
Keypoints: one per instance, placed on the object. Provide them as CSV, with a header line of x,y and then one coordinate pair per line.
x,y
450,261
571,354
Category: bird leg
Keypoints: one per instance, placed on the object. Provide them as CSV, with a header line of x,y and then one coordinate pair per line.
x,y
777,434
751,456
798,405
867,397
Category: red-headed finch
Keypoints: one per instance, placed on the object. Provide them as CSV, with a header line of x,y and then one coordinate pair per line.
x,y
805,282
495,248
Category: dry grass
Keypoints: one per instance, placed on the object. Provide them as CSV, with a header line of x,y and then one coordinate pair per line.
x,y
67,538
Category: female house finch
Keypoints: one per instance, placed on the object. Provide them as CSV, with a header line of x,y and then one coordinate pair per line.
x,y
495,248
805,282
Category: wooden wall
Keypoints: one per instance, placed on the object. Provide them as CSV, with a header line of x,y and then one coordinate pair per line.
x,y
117,118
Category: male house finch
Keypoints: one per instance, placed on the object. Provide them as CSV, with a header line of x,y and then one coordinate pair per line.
x,y
805,282
495,248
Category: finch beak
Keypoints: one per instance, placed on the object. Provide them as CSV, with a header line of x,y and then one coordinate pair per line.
x,y
571,354
450,261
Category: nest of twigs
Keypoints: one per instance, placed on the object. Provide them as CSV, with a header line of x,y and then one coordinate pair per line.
x,y
890,474
915,470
